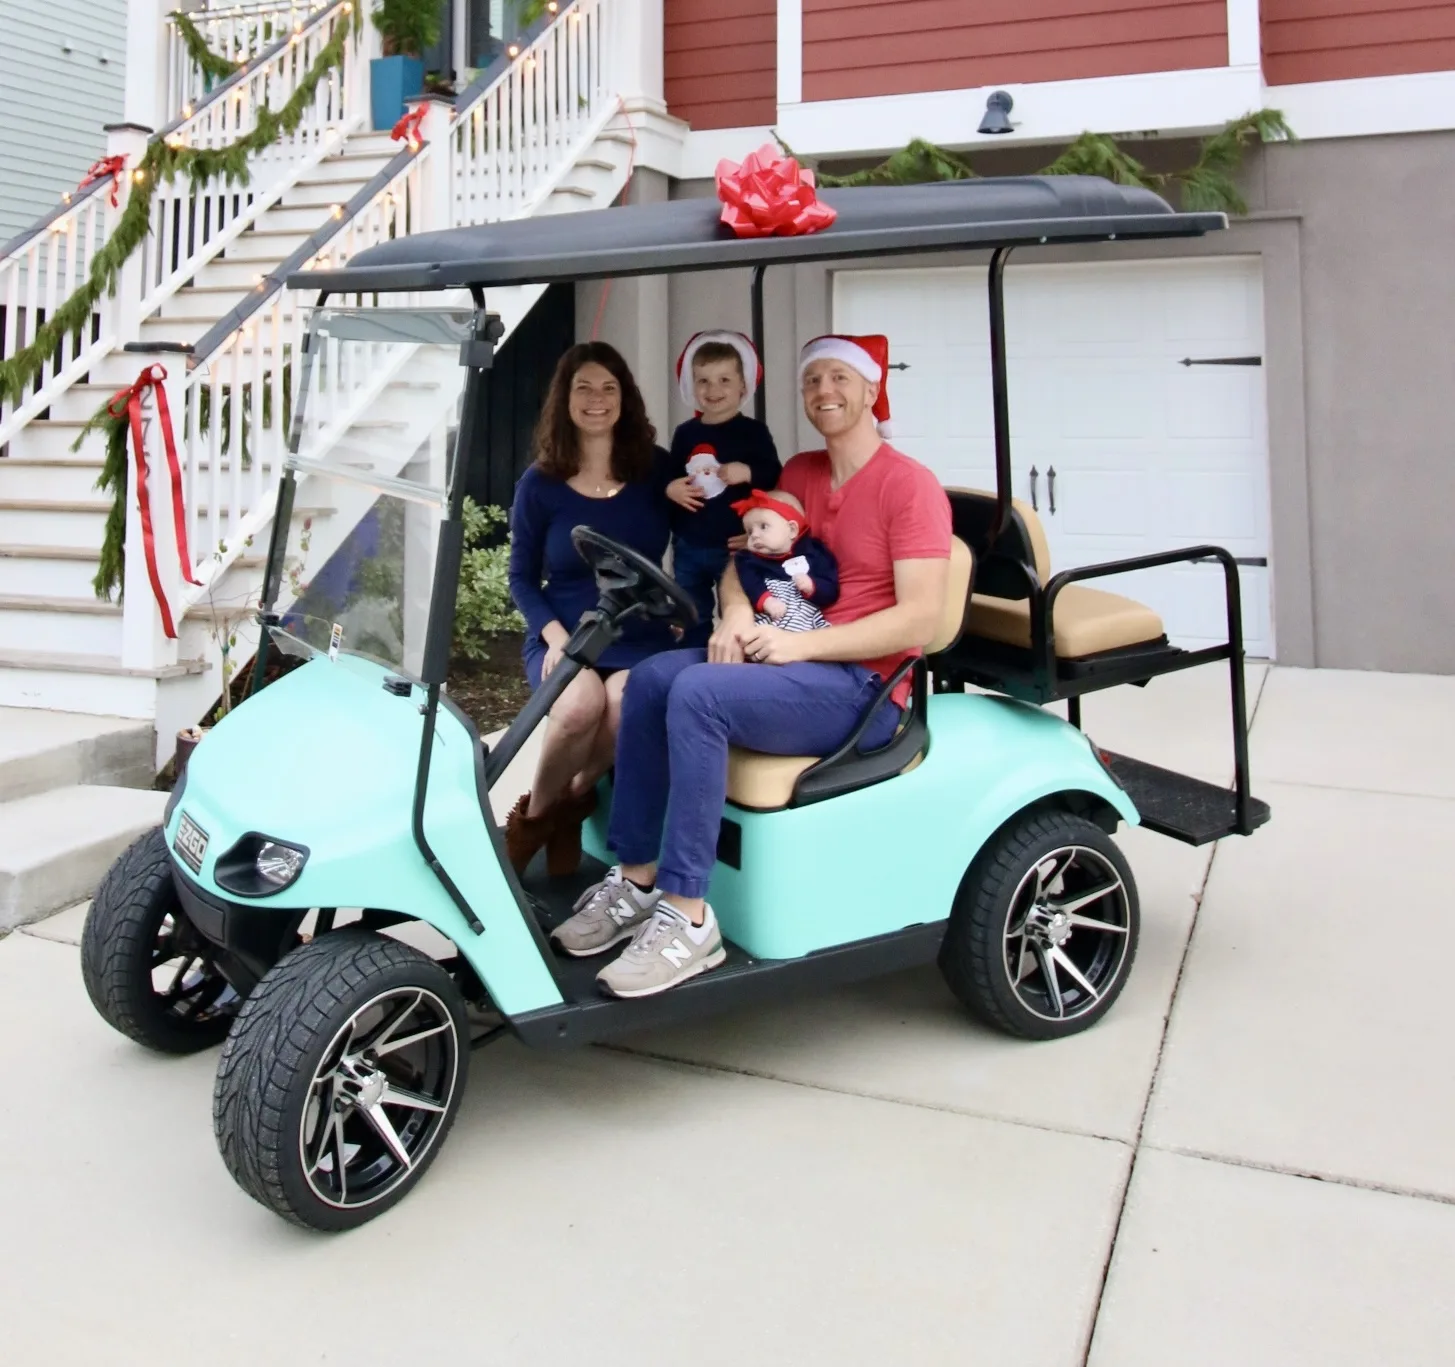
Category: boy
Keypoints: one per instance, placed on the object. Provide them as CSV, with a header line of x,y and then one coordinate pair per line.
x,y
788,576
722,455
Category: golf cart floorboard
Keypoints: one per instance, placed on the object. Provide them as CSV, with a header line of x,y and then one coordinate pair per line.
x,y
589,1015
1177,805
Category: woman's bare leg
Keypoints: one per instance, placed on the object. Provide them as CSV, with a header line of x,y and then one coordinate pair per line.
x,y
571,732
602,754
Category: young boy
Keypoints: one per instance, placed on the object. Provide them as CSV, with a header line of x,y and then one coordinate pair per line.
x,y
789,577
722,455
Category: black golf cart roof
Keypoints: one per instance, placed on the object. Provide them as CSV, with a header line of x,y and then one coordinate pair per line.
x,y
687,234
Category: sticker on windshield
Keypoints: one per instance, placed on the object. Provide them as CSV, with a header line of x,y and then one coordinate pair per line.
x,y
335,640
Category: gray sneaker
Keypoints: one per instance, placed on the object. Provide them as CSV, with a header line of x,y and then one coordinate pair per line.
x,y
663,954
607,913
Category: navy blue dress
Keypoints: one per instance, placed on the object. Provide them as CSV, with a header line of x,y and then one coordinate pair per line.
x,y
550,582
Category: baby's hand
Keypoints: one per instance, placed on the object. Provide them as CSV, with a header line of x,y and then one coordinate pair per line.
x,y
775,609
803,584
735,472
685,493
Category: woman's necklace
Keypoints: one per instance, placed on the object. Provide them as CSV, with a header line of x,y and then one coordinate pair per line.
x,y
604,488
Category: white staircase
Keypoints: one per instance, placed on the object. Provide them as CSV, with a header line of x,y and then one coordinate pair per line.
x,y
546,132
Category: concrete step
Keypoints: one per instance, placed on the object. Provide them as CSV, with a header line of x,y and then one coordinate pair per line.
x,y
55,847
99,685
85,624
40,750
58,571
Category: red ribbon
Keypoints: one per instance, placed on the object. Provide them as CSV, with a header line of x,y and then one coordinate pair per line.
x,y
127,403
107,166
409,125
770,196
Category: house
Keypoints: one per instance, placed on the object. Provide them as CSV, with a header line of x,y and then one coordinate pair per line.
x,y
1281,388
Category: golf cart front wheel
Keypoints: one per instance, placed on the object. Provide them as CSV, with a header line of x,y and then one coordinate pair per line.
x,y
1044,931
341,1079
147,970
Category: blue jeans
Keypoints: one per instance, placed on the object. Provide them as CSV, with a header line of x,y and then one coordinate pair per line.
x,y
678,717
698,569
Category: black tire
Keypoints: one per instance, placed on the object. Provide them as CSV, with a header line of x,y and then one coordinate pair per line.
x,y
1012,906
269,1116
135,929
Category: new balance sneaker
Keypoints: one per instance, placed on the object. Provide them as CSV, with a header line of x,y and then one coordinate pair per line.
x,y
668,950
605,914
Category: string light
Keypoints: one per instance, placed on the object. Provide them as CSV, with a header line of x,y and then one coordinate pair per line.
x,y
186,111
337,210
513,50
65,196
138,175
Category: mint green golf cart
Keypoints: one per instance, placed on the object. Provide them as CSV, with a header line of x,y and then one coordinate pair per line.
x,y
329,898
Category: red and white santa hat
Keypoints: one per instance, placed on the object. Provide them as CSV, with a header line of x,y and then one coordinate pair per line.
x,y
867,355
747,353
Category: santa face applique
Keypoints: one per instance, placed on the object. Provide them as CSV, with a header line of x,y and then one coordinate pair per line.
x,y
702,469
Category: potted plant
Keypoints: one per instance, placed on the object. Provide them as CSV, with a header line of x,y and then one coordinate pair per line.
x,y
406,29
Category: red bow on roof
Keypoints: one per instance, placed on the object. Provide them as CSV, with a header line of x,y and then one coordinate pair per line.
x,y
770,196
408,126
107,166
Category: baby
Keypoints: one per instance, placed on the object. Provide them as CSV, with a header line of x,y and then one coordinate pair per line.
x,y
787,575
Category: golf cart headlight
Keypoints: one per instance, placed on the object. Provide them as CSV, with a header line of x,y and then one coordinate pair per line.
x,y
279,864
258,866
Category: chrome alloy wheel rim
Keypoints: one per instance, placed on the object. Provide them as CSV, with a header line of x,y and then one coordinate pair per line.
x,y
1067,932
378,1097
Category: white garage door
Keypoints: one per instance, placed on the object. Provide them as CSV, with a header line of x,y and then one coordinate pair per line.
x,y
1126,449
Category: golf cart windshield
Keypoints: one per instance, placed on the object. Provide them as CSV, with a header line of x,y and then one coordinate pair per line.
x,y
355,573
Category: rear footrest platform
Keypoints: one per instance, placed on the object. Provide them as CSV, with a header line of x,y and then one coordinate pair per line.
x,y
1177,805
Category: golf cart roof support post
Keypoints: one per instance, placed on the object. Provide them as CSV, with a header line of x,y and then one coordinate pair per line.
x,y
1000,397
760,394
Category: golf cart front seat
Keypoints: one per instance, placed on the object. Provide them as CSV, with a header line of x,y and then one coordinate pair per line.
x,y
768,782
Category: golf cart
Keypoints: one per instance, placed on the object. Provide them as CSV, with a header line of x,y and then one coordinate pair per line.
x,y
342,815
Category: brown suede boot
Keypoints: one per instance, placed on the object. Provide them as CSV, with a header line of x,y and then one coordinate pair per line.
x,y
563,844
524,835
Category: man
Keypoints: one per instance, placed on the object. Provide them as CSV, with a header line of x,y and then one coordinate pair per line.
x,y
887,522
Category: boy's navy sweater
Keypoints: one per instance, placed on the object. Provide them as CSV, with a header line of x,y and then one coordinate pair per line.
x,y
740,438
754,572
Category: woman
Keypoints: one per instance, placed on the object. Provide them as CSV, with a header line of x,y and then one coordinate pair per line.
x,y
596,464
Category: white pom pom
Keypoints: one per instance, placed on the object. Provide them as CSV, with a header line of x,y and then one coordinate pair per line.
x,y
886,428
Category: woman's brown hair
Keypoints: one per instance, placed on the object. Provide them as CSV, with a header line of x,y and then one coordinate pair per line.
x,y
556,446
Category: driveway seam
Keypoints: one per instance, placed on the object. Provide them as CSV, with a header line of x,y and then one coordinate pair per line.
x,y
734,1070
1354,788
1304,1174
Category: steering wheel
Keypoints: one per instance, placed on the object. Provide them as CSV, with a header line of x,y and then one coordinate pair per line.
x,y
631,579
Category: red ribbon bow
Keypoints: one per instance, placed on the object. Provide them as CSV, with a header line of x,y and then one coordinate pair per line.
x,y
770,196
409,125
127,403
107,166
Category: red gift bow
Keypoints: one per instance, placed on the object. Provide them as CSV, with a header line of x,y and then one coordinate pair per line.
x,y
408,126
127,403
770,196
107,166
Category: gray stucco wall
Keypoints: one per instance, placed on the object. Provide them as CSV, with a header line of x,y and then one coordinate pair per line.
x,y
1359,303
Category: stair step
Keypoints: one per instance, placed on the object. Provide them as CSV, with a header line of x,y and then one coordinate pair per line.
x,y
87,624
75,662
27,602
56,846
315,194
60,571
41,749
580,191
596,163
49,477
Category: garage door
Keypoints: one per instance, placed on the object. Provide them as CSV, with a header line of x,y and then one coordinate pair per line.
x,y
1137,412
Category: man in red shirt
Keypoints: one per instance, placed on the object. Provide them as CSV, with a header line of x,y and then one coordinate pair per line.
x,y
887,522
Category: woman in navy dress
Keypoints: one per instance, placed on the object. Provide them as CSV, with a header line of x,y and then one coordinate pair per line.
x,y
596,464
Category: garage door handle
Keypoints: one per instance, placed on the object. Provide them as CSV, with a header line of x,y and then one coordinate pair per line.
x,y
1035,475
1051,489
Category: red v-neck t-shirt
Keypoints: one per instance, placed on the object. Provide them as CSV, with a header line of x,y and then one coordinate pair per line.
x,y
892,508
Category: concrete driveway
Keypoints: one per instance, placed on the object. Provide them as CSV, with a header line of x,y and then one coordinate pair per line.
x,y
1249,1162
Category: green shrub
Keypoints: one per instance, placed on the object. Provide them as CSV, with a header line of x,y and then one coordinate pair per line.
x,y
407,27
483,607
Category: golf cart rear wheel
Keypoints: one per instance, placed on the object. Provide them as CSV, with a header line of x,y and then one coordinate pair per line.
x,y
147,970
1044,931
341,1079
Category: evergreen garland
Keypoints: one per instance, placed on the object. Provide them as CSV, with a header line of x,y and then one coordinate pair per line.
x,y
111,572
163,161
1209,184
215,68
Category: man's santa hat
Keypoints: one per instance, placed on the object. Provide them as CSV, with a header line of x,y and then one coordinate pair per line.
x,y
747,354
868,356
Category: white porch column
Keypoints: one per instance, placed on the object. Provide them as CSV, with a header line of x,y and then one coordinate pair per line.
x,y
121,312
639,69
790,52
1245,35
434,168
148,82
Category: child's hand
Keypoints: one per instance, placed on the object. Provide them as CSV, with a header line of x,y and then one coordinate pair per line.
x,y
775,609
686,494
804,584
738,542
735,472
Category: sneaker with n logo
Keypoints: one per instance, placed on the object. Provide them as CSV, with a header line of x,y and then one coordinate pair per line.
x,y
607,913
667,950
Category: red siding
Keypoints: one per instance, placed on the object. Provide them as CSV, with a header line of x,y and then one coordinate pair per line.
x,y
722,62
854,48
1332,40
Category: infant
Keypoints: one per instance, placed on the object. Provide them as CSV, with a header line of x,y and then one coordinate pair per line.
x,y
788,576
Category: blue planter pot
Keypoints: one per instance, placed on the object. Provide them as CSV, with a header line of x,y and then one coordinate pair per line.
x,y
392,80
